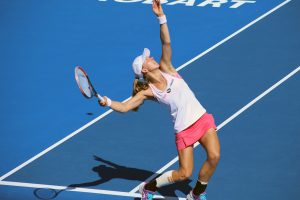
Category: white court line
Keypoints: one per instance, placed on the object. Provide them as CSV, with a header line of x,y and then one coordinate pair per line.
x,y
109,111
234,34
85,190
259,97
224,123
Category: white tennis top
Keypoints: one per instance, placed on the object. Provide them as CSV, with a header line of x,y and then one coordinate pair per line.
x,y
184,107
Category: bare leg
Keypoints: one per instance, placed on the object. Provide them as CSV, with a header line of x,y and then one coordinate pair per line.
x,y
186,163
211,144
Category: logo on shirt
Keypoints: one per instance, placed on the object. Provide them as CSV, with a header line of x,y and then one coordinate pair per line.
x,y
169,89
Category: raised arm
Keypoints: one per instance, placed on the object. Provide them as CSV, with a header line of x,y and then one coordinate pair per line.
x,y
132,103
165,61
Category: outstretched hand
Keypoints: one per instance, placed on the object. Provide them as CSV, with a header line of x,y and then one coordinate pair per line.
x,y
157,8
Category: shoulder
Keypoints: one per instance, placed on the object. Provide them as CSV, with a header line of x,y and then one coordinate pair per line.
x,y
146,94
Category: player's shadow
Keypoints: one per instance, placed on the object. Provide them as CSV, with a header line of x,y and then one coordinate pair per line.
x,y
108,170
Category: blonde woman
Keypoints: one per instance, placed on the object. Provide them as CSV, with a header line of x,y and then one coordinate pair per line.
x,y
161,82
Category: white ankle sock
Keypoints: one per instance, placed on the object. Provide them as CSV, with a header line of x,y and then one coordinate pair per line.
x,y
164,179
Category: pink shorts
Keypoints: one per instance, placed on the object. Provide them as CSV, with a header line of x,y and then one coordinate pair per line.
x,y
193,133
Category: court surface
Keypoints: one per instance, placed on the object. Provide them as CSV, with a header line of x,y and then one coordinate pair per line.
x,y
241,59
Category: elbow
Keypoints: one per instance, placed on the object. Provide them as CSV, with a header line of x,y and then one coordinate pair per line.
x,y
124,109
121,111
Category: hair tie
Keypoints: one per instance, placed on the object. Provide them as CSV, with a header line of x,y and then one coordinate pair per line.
x,y
141,80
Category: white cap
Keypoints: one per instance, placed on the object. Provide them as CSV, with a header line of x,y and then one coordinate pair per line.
x,y
138,63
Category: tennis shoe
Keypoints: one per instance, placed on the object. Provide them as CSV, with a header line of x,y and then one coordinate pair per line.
x,y
146,194
191,196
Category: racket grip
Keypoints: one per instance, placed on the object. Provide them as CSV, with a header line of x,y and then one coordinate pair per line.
x,y
100,97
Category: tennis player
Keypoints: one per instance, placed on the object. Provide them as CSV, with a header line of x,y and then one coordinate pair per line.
x,y
161,82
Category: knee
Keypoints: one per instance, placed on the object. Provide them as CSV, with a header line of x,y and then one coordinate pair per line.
x,y
214,158
184,173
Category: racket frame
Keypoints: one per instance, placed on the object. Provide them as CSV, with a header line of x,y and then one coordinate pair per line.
x,y
93,91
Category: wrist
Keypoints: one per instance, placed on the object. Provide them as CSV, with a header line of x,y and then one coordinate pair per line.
x,y
108,102
162,19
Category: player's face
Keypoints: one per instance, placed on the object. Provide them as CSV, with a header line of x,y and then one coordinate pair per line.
x,y
150,64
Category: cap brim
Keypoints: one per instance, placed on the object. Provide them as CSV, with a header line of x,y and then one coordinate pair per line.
x,y
146,53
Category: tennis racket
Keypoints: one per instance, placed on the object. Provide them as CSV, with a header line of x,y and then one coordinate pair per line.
x,y
85,85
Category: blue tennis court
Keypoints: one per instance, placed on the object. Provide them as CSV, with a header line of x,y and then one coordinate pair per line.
x,y
241,59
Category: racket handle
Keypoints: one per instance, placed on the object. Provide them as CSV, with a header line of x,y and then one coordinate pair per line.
x,y
100,97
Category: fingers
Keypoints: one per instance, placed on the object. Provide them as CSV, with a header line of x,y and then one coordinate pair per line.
x,y
158,2
157,8
103,103
154,4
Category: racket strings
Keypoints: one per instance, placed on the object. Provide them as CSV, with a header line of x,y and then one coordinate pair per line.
x,y
83,83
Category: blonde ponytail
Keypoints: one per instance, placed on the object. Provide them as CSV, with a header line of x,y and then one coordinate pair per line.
x,y
138,86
